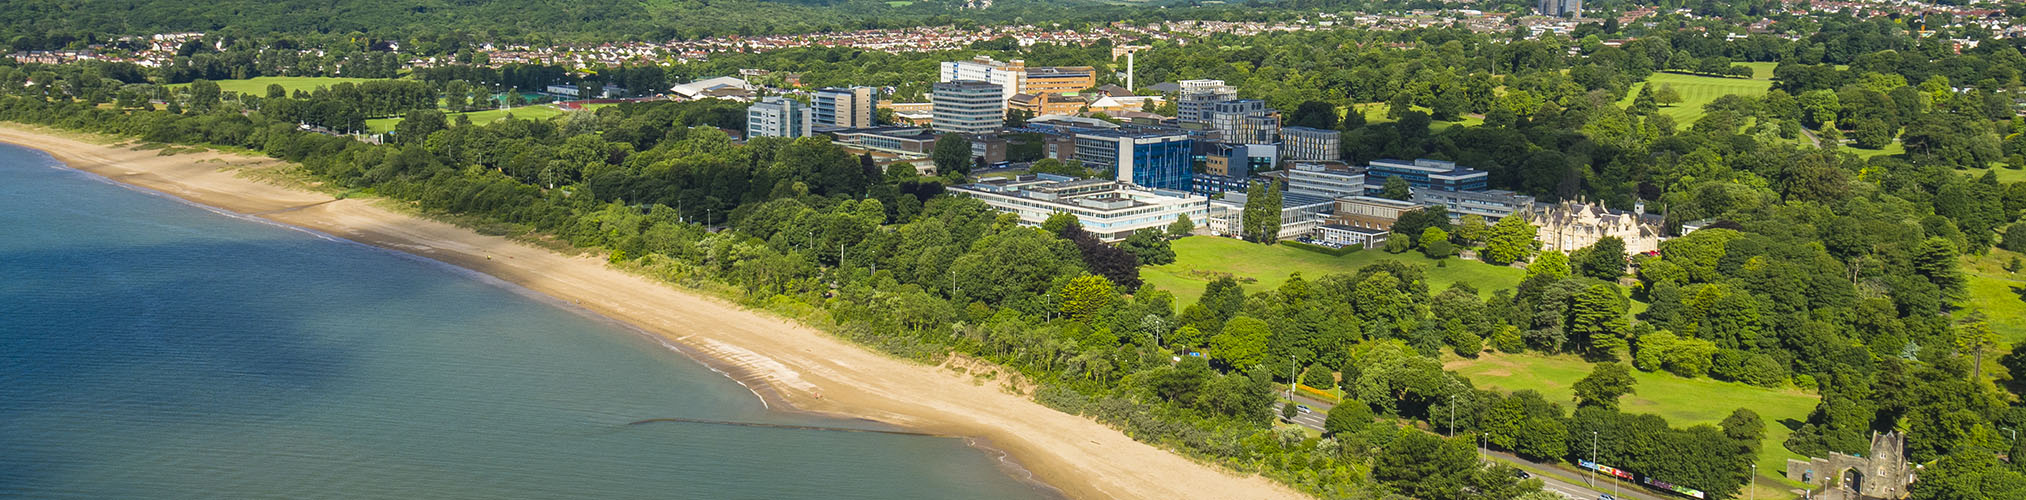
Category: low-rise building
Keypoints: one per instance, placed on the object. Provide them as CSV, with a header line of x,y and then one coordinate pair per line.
x,y
901,140
1299,214
1108,209
1371,212
1045,104
1338,235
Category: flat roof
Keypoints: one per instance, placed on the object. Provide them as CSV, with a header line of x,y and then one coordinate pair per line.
x,y
1355,229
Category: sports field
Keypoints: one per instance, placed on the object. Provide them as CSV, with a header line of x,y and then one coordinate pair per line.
x,y
258,86
537,112
1202,259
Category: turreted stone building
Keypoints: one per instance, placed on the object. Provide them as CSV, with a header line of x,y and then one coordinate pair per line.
x,y
1881,474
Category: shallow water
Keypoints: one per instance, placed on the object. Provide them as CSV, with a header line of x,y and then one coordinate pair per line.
x,y
154,349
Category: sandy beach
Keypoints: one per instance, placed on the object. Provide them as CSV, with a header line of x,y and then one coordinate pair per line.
x,y
792,363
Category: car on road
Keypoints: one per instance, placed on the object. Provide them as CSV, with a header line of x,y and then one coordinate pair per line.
x,y
1523,474
1303,408
1606,496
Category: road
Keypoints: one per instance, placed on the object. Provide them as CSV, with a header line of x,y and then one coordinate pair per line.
x,y
1565,483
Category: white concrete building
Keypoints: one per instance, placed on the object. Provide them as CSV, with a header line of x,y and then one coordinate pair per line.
x,y
1108,209
778,117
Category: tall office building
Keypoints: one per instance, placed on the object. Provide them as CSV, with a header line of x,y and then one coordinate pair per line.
x,y
846,107
1561,8
1159,160
1245,121
1199,96
778,117
1310,144
966,107
1015,77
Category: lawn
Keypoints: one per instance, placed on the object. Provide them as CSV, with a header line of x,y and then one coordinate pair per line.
x,y
1375,112
1697,91
258,86
1682,401
2000,294
538,112
1198,259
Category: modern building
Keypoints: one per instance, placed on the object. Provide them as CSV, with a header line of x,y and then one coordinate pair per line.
x,y
1319,180
1109,209
1147,158
1492,204
1299,214
1014,77
1245,121
730,87
844,107
967,107
1560,8
897,140
1229,167
1424,174
1197,97
1045,104
1574,225
778,117
1310,144
1043,80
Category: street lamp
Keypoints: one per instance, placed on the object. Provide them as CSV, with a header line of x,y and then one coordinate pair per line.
x,y
1749,492
1593,459
1452,415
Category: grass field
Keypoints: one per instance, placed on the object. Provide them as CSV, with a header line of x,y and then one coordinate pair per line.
x,y
1197,258
1699,90
539,112
2000,294
1682,401
1375,112
258,86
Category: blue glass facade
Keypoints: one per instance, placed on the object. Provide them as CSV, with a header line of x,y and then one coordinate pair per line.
x,y
1426,174
1163,165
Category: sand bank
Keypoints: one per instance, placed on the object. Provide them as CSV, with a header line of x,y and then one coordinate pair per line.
x,y
796,363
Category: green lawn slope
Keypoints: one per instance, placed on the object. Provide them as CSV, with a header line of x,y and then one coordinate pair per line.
x,y
1201,259
258,86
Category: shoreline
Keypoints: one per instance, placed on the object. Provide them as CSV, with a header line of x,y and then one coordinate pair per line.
x,y
789,366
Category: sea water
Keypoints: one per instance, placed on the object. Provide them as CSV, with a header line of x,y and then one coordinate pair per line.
x,y
151,348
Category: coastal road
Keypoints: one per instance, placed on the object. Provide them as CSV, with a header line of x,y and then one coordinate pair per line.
x,y
1561,482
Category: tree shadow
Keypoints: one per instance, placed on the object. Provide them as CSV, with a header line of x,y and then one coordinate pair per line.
x,y
1791,424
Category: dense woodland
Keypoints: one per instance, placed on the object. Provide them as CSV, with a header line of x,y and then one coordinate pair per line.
x,y
1823,271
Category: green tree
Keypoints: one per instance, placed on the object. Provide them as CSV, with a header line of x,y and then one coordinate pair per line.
x,y
1318,376
1150,246
1604,260
1604,385
1472,230
1667,96
1348,416
1644,103
1425,466
1083,296
1935,259
1396,188
952,154
1060,222
1181,227
1510,240
1242,344
1550,266
1435,243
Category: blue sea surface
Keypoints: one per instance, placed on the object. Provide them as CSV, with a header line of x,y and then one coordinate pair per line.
x,y
151,348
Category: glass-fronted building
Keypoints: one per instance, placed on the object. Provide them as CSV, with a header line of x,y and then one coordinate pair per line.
x,y
1421,174
1149,159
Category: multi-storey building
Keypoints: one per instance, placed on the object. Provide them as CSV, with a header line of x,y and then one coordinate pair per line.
x,y
1043,80
1300,214
1310,144
1245,121
1110,210
1492,204
1319,180
778,117
1574,225
1148,158
1423,174
966,107
1561,8
1014,77
1199,96
844,107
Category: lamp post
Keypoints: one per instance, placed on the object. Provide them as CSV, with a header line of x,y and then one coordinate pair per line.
x,y
1593,459
1290,378
1749,492
1452,415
